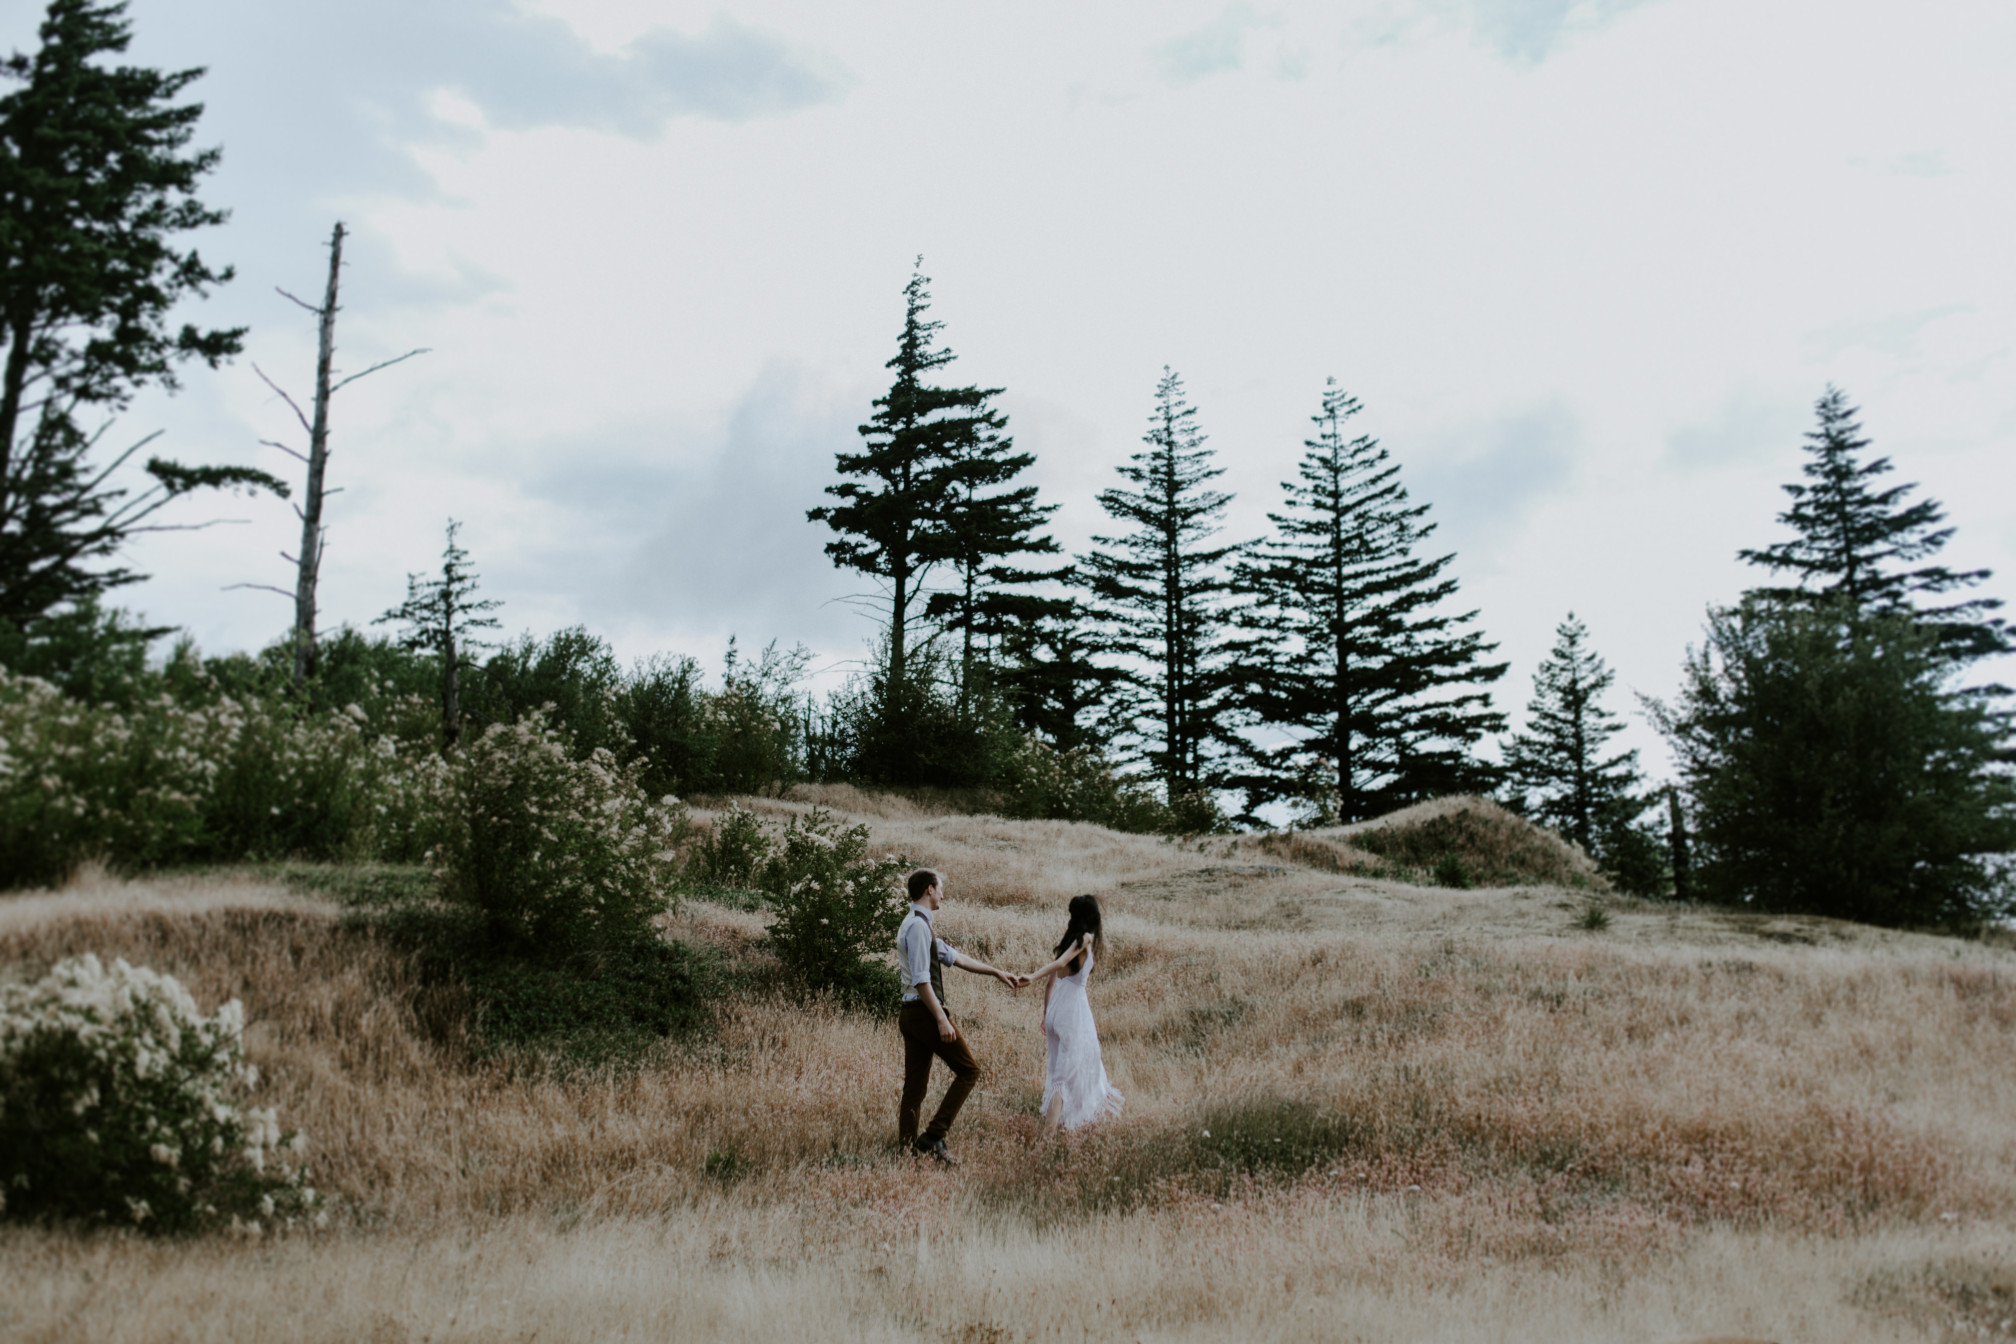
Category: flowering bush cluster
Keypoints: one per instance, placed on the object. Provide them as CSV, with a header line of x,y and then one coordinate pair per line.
x,y
227,778
836,907
120,1102
551,850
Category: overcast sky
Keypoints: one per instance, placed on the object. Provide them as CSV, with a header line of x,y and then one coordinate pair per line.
x,y
1587,266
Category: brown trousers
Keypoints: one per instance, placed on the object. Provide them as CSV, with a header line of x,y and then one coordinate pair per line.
x,y
920,1043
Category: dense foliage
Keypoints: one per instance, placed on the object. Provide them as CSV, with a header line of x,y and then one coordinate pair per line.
x,y
1835,770
835,908
218,776
551,850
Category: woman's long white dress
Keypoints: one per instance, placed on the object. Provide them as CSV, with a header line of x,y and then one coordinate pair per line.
x,y
1075,1071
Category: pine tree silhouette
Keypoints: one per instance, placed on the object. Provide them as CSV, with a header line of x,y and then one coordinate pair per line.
x,y
1349,646
1861,548
1161,588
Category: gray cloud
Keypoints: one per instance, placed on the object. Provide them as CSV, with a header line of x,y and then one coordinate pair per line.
x,y
1525,32
1920,163
1482,483
1751,426
1892,334
709,538
1217,48
317,106
527,71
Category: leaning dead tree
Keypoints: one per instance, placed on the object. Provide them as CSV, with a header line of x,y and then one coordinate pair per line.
x,y
308,564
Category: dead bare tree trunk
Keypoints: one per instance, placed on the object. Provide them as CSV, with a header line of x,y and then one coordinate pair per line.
x,y
310,559
308,564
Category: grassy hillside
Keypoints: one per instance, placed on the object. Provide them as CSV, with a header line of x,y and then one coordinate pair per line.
x,y
1357,1108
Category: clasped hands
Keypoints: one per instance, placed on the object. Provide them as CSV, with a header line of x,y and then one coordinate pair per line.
x,y
1012,980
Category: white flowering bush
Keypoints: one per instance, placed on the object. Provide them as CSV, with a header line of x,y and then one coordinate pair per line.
x,y
836,907
233,777
554,851
120,1102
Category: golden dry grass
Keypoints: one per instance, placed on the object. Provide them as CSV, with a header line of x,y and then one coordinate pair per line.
x,y
1687,1125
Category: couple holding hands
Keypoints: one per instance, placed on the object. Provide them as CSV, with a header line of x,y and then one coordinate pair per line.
x,y
1075,1090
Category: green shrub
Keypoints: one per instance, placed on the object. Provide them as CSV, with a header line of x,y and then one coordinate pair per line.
x,y
599,1005
1451,871
595,1005
120,1102
572,679
1040,783
167,782
93,654
733,852
836,908
554,851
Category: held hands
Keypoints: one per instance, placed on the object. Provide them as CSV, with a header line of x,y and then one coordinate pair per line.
x,y
1012,980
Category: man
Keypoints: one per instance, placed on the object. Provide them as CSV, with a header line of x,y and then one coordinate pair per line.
x,y
926,1025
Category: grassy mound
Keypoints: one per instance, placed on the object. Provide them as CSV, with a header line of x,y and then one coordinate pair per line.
x,y
1449,842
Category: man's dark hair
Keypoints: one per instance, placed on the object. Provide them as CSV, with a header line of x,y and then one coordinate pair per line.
x,y
922,881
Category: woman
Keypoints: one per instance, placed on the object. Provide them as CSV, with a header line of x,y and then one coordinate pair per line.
x,y
1075,1090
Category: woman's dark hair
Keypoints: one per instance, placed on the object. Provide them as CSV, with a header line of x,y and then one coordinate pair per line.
x,y
1084,913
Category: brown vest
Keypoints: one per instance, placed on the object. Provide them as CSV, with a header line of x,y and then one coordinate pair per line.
x,y
937,968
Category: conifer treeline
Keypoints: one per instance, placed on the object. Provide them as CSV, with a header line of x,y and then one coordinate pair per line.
x,y
1838,749
1321,666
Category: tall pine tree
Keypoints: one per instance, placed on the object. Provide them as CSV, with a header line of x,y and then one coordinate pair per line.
x,y
892,517
1350,649
1834,762
1161,590
96,186
1563,769
1864,549
989,519
1834,771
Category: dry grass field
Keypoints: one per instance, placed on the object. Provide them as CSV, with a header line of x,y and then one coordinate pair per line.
x,y
1356,1110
